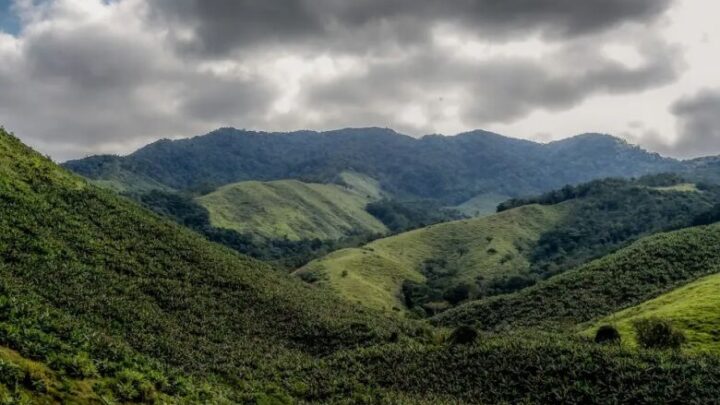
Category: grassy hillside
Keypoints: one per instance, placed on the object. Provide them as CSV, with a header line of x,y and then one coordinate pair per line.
x,y
458,252
640,272
126,305
290,209
693,308
437,267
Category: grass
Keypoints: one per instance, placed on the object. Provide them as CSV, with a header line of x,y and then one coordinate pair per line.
x,y
294,210
682,187
642,271
693,308
481,205
488,247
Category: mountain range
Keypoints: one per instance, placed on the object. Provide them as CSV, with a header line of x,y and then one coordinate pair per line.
x,y
451,169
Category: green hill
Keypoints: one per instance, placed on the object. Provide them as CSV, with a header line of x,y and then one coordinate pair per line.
x,y
455,252
693,308
437,267
290,209
119,303
644,270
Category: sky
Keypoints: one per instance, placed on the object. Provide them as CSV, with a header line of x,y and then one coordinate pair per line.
x,y
81,77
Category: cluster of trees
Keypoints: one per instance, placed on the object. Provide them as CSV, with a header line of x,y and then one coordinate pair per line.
x,y
401,216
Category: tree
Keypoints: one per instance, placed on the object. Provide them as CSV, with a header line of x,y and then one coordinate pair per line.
x,y
656,333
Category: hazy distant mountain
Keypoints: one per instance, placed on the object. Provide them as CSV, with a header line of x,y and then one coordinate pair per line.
x,y
452,169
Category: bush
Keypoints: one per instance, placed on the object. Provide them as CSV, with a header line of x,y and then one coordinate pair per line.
x,y
463,335
607,334
656,333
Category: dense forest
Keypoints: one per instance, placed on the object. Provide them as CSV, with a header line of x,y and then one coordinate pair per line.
x,y
448,169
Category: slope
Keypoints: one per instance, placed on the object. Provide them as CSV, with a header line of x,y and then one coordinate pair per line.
x,y
637,273
693,308
457,252
529,240
290,209
101,290
450,169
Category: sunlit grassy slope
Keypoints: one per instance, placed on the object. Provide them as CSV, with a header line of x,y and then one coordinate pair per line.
x,y
295,210
693,308
496,245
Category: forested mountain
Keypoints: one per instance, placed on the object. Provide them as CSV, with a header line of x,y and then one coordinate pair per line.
x,y
450,169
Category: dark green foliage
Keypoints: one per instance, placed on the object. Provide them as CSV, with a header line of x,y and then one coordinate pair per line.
x,y
400,216
607,334
536,369
608,214
93,285
463,335
447,169
656,333
710,216
645,269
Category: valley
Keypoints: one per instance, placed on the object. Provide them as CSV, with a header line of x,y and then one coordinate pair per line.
x,y
358,293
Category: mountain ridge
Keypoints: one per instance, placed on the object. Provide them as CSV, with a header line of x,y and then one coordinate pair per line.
x,y
452,169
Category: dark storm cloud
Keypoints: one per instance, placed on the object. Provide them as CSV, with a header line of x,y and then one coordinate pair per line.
x,y
698,124
497,89
220,26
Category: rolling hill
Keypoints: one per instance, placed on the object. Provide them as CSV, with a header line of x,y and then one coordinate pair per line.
x,y
451,169
640,272
459,251
436,267
293,210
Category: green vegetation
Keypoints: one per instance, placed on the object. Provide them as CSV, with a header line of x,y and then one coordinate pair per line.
x,y
438,267
451,170
640,272
693,309
401,216
477,253
481,205
103,302
608,214
293,210
288,254
97,288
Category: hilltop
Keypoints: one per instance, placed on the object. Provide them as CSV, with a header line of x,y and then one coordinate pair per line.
x,y
294,210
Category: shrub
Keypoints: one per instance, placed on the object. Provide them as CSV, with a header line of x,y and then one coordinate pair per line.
x,y
463,335
607,334
656,333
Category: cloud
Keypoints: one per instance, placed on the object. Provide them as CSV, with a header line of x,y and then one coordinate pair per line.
x,y
497,89
216,27
98,76
698,124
